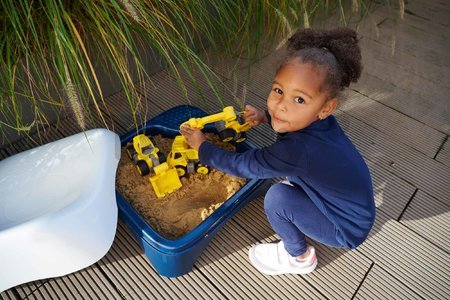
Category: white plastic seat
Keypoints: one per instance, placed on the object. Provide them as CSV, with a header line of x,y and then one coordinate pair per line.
x,y
58,211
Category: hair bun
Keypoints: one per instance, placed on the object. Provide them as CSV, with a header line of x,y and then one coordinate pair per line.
x,y
341,42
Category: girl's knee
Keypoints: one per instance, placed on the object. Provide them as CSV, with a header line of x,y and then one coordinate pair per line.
x,y
276,196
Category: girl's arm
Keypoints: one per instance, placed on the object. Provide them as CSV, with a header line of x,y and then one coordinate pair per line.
x,y
285,157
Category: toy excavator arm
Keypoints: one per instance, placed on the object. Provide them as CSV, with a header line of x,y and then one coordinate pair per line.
x,y
226,115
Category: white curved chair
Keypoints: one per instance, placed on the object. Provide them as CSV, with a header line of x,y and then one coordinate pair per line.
x,y
58,211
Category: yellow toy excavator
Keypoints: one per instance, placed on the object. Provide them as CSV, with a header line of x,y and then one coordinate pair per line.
x,y
229,124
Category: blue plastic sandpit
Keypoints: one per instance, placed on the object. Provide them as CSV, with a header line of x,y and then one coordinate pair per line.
x,y
173,258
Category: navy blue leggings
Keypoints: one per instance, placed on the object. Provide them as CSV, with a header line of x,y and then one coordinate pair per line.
x,y
293,215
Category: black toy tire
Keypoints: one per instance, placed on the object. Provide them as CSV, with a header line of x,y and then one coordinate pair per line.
x,y
227,135
162,158
130,151
240,137
142,167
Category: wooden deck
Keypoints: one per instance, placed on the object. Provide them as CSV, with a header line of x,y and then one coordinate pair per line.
x,y
397,116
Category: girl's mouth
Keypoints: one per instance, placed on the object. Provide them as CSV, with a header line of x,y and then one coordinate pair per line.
x,y
277,119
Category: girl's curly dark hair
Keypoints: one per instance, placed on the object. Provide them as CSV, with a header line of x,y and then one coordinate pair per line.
x,y
337,50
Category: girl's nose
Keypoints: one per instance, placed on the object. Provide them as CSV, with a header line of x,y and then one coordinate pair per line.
x,y
281,105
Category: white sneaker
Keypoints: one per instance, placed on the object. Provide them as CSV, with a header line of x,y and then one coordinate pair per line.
x,y
273,259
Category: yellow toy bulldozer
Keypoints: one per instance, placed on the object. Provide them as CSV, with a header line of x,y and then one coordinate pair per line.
x,y
185,159
229,124
144,154
180,161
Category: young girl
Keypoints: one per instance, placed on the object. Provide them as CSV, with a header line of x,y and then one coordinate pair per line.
x,y
328,192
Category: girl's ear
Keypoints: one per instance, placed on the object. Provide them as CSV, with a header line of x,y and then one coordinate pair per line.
x,y
328,108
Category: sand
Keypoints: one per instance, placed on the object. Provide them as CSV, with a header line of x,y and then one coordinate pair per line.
x,y
181,211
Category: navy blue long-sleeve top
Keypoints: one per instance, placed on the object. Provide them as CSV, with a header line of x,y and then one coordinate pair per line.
x,y
323,162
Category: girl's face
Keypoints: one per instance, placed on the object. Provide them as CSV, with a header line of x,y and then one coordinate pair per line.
x,y
296,100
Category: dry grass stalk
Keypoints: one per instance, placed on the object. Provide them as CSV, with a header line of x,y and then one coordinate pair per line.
x,y
402,9
75,104
131,10
355,6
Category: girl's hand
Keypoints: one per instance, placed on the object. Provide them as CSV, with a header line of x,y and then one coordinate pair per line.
x,y
253,116
194,136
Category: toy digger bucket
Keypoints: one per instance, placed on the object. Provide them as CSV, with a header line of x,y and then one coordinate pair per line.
x,y
165,180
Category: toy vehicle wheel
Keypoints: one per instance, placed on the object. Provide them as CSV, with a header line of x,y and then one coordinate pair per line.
x,y
227,135
202,169
181,171
130,151
240,137
142,167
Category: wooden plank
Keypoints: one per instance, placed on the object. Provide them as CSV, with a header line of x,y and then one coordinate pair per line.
x,y
391,193
225,67
413,26
431,111
225,262
3,154
120,110
163,87
420,265
417,84
393,123
379,285
339,271
260,80
435,11
48,135
28,289
130,271
8,295
20,146
69,126
376,51
443,155
407,163
88,283
165,96
421,39
430,218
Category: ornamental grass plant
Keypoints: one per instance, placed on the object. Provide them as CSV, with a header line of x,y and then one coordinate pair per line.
x,y
52,51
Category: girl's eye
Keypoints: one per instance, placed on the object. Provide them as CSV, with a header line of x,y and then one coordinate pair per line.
x,y
278,91
299,100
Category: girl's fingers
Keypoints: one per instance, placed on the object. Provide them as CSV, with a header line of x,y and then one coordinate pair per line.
x,y
185,129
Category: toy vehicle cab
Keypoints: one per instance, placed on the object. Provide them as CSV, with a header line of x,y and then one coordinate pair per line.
x,y
144,154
